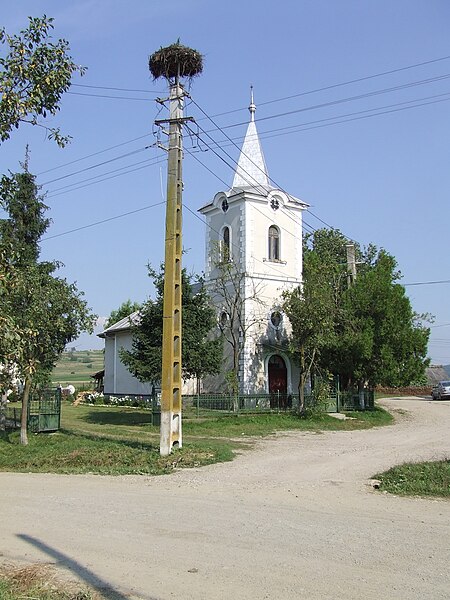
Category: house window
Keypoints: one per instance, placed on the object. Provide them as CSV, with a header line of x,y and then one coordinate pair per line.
x,y
226,244
274,243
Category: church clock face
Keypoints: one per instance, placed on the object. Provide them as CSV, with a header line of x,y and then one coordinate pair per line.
x,y
224,205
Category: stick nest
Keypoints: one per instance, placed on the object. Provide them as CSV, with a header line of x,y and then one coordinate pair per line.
x,y
175,60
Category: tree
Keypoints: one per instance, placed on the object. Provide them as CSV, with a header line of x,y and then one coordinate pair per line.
x,y
201,354
125,309
41,312
34,74
381,340
365,332
242,310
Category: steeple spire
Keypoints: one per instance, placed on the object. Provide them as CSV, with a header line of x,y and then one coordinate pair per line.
x,y
251,171
252,107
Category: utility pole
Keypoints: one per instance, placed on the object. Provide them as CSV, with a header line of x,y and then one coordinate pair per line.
x,y
172,63
171,400
351,264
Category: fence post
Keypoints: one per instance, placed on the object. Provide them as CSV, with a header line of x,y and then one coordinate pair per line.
x,y
198,405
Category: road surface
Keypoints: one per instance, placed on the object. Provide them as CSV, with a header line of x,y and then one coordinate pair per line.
x,y
293,518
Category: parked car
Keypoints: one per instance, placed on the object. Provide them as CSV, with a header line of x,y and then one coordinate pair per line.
x,y
441,391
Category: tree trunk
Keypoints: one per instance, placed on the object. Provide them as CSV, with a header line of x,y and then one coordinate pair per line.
x,y
24,418
3,399
301,385
362,403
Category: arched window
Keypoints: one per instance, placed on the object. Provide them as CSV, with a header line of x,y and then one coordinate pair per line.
x,y
226,244
274,243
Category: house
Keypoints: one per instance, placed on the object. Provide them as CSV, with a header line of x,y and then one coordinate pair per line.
x,y
253,250
117,379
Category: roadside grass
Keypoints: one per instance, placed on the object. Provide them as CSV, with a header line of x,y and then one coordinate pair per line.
x,y
120,440
417,479
36,582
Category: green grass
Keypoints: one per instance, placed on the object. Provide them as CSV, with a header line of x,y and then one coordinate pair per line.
x,y
418,479
70,369
118,441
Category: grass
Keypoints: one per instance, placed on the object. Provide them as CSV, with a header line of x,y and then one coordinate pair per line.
x,y
36,582
418,479
118,441
76,367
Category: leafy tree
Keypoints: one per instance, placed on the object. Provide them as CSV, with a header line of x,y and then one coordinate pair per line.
x,y
380,340
34,74
201,355
365,332
41,312
125,309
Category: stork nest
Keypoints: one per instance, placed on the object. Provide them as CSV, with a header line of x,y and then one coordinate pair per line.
x,y
175,61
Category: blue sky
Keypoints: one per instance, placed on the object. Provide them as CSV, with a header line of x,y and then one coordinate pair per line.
x,y
383,179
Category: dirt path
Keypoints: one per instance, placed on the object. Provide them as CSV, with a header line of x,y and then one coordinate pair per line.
x,y
294,518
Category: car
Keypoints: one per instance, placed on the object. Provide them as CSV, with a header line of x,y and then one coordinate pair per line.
x,y
441,391
434,392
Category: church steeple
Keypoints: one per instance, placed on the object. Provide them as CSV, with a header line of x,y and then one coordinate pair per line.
x,y
251,171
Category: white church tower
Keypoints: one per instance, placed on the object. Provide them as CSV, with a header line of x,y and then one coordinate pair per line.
x,y
253,254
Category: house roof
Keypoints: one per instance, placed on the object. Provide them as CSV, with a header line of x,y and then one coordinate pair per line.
x,y
123,325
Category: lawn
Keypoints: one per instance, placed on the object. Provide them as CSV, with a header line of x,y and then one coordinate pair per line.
x,y
418,479
118,440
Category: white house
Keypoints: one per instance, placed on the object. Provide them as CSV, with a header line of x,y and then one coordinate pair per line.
x,y
256,229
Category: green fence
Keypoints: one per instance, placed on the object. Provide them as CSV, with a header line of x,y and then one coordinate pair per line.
x,y
44,412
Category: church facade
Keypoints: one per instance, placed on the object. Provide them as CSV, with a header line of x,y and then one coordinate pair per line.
x,y
253,255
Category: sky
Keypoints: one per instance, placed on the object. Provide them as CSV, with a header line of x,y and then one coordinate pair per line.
x,y
353,106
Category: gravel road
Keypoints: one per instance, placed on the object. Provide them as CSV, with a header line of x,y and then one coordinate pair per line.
x,y
293,518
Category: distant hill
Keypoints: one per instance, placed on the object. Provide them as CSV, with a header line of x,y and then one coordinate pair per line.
x,y
437,373
76,368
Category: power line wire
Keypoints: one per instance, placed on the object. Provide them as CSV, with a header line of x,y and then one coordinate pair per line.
x,y
131,212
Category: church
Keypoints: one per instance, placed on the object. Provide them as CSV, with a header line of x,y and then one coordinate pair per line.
x,y
253,253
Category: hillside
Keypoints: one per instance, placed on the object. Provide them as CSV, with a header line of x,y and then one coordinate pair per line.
x,y
76,367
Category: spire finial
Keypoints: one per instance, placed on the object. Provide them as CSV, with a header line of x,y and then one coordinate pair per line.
x,y
252,107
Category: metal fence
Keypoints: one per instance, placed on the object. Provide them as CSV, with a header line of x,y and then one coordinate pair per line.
x,y
44,412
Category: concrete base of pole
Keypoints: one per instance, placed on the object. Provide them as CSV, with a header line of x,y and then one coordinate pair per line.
x,y
170,432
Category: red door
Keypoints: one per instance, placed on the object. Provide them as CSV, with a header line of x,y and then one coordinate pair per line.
x,y
277,372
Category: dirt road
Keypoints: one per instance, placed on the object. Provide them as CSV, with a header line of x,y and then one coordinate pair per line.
x,y
294,518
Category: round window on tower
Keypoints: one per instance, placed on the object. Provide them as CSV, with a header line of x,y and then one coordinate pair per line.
x,y
276,318
224,205
275,203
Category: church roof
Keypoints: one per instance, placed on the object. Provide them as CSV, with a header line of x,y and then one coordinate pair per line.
x,y
251,171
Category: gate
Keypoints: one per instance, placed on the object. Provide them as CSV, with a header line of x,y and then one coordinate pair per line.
x,y
44,411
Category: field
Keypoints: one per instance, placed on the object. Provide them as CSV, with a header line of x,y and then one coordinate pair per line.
x,y
76,368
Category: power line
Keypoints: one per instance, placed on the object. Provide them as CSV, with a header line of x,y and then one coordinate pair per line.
x,y
98,165
341,84
344,100
427,282
94,154
131,212
118,89
145,163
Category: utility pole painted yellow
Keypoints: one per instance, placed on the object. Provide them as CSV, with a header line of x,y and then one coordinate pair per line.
x,y
172,63
170,432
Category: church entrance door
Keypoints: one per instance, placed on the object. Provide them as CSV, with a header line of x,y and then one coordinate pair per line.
x,y
277,372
